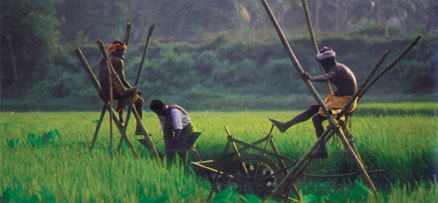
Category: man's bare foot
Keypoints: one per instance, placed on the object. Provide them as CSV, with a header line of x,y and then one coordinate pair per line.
x,y
280,125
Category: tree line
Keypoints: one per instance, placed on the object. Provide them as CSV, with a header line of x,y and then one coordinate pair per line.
x,y
215,44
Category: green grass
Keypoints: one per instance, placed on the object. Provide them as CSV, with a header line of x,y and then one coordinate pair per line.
x,y
401,108
60,168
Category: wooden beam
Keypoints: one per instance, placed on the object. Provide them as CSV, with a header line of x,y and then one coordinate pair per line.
x,y
313,40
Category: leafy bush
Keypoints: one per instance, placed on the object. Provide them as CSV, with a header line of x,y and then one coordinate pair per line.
x,y
43,140
224,67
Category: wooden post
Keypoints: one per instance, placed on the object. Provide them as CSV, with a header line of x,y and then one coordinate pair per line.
x,y
127,33
287,183
122,132
110,103
312,38
88,70
229,137
292,56
151,30
102,114
274,147
268,141
362,86
413,43
125,127
358,162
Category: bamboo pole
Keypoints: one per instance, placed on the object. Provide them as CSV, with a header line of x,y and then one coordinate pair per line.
x,y
370,82
363,85
292,56
347,175
93,141
127,33
286,184
313,40
88,70
277,153
110,103
358,162
151,29
413,43
269,140
229,137
122,132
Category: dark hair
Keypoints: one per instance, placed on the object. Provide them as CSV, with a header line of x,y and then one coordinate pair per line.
x,y
157,104
118,42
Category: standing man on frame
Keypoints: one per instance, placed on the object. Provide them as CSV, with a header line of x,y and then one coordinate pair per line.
x,y
345,81
116,54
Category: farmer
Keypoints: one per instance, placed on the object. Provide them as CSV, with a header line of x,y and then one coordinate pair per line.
x,y
344,80
117,53
178,131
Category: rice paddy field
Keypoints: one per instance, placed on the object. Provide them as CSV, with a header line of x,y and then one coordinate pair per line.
x,y
45,157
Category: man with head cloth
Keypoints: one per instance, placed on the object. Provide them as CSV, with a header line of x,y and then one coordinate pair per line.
x,y
117,53
339,75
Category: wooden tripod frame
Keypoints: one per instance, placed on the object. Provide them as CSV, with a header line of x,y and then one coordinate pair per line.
x,y
108,106
110,109
290,181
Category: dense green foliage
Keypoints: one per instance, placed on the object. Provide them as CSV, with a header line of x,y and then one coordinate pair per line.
x,y
225,53
194,19
54,163
228,74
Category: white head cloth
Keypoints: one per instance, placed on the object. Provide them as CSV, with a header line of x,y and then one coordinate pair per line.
x,y
326,54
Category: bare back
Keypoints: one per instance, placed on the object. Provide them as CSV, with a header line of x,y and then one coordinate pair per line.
x,y
343,78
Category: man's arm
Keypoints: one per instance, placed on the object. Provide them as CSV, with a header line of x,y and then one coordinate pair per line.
x,y
320,78
119,66
177,122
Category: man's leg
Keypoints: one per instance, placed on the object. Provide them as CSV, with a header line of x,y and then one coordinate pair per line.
x,y
121,117
283,126
169,143
183,143
139,107
321,153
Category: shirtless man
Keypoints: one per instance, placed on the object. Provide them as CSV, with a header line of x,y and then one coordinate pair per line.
x,y
117,53
339,75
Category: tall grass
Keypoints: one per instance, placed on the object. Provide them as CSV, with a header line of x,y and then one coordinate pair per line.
x,y
64,170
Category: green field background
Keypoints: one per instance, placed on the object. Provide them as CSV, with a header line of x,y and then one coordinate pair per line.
x,y
60,168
